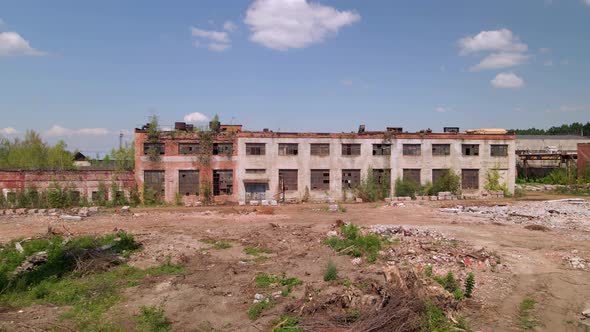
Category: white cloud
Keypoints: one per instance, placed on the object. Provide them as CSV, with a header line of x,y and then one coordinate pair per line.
x,y
8,131
285,24
218,47
57,131
507,81
442,109
12,44
495,40
587,2
230,26
216,36
501,60
195,117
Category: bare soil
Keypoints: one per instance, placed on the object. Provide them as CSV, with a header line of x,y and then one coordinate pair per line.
x,y
218,288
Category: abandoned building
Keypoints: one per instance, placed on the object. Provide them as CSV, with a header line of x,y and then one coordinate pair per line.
x,y
236,165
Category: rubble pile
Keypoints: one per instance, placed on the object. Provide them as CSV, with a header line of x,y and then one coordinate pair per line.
x,y
571,214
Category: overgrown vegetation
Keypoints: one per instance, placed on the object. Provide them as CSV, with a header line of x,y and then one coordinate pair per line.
x,y
218,244
152,319
355,244
331,272
256,309
525,320
32,153
446,182
286,324
83,273
435,320
469,284
493,182
450,284
371,190
270,281
256,251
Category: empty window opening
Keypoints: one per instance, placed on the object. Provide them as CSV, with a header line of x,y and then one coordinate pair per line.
x,y
320,179
411,150
153,148
382,175
188,182
255,149
499,150
320,149
188,148
154,181
223,182
441,149
412,174
288,149
381,149
288,179
255,171
351,149
351,178
470,179
223,149
470,149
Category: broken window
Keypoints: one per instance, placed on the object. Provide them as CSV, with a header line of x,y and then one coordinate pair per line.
x,y
188,182
438,173
441,149
320,179
288,179
223,149
412,175
351,178
153,149
255,171
351,149
255,149
470,179
223,182
188,148
96,196
381,149
382,175
288,149
499,150
154,181
320,149
411,150
470,149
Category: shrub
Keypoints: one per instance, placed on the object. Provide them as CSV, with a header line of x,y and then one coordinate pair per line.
x,y
355,244
101,194
371,190
448,181
152,319
117,195
286,324
331,272
134,197
493,182
469,284
405,187
256,310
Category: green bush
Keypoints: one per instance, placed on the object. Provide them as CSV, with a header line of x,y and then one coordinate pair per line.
x,y
331,272
152,319
449,181
469,284
493,182
355,244
406,187
371,190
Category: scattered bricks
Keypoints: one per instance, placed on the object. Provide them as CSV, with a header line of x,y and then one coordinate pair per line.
x,y
21,211
254,203
264,202
404,198
242,203
41,211
433,198
70,217
83,212
199,203
93,209
274,203
333,208
9,212
31,211
330,200
471,196
52,211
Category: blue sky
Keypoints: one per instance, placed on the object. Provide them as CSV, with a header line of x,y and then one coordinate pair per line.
x,y
83,71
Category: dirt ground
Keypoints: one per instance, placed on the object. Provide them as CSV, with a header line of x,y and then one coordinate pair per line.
x,y
218,288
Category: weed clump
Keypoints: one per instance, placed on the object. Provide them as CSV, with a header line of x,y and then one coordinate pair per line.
x,y
218,244
469,284
152,319
256,310
255,251
331,272
524,319
286,324
356,244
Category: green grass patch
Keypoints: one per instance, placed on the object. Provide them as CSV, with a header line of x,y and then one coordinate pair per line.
x,y
435,320
331,272
355,244
267,280
525,320
152,319
218,244
255,251
286,324
256,309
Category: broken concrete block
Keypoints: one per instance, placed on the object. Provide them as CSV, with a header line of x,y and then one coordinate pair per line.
x,y
433,198
125,208
359,200
70,217
31,211
83,212
41,211
9,212
264,202
198,203
21,211
93,209
254,203
242,203
274,203
333,208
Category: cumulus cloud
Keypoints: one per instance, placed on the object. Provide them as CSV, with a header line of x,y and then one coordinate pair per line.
x,y
507,81
195,117
441,109
229,26
8,131
12,44
281,24
218,47
57,131
501,60
495,40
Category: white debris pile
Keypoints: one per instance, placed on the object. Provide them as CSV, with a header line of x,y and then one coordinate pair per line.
x,y
400,231
571,213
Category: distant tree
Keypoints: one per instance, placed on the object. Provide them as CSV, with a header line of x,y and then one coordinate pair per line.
x,y
32,153
575,128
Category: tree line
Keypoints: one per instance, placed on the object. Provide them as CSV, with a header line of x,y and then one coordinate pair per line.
x,y
575,128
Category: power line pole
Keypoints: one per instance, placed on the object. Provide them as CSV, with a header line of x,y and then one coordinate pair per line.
x,y
120,140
